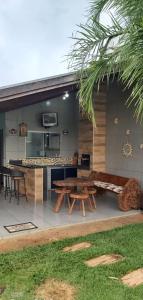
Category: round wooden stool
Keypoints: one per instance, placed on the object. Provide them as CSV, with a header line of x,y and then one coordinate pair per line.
x,y
65,191
82,197
61,193
92,193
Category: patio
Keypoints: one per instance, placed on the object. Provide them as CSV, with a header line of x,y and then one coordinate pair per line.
x,y
44,217
99,147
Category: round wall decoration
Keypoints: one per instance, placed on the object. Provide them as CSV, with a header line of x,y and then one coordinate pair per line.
x,y
13,131
127,149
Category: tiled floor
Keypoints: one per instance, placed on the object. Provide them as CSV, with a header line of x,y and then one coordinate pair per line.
x,y
43,216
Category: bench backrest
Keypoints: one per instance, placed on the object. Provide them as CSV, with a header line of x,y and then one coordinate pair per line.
x,y
105,177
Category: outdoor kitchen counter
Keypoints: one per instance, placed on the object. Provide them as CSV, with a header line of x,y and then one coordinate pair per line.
x,y
34,182
39,178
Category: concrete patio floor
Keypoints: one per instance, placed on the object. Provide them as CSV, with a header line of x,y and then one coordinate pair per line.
x,y
43,216
45,236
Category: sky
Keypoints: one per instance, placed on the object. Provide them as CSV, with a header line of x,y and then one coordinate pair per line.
x,y
35,37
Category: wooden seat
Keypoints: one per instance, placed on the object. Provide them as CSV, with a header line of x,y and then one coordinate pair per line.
x,y
82,197
128,190
17,178
65,191
62,192
79,196
5,173
92,193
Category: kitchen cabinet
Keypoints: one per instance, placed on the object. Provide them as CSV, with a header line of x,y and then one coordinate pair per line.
x,y
61,173
70,172
57,174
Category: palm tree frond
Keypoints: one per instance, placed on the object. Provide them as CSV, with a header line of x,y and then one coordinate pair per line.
x,y
100,51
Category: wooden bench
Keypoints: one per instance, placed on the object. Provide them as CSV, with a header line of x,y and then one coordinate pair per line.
x,y
128,190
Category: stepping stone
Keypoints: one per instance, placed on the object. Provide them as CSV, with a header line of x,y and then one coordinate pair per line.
x,y
55,290
103,260
77,247
134,278
2,289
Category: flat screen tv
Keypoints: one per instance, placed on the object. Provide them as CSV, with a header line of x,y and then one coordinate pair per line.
x,y
49,119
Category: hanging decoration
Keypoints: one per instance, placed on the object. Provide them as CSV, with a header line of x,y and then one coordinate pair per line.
x,y
116,120
23,129
127,148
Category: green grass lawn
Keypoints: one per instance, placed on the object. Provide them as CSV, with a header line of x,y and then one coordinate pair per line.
x,y
23,271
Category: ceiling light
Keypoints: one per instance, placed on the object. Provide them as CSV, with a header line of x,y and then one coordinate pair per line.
x,y
48,103
66,95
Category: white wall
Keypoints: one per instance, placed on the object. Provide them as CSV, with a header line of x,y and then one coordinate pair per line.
x,y
67,120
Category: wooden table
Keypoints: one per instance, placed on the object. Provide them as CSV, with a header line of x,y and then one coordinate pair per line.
x,y
70,183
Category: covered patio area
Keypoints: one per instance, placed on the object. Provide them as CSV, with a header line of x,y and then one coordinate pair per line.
x,y
47,154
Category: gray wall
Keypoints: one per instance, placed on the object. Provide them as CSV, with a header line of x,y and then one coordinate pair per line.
x,y
2,120
68,114
116,163
2,126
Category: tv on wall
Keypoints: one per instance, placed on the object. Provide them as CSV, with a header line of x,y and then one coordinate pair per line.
x,y
49,119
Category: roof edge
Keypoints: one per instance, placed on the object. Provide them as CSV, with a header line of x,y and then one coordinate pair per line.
x,y
39,85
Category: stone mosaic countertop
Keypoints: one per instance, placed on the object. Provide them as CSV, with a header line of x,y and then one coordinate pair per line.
x,y
35,166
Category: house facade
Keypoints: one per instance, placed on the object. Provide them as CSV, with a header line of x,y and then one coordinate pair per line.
x,y
114,143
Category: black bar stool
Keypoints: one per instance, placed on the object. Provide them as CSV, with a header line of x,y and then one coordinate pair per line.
x,y
16,178
5,173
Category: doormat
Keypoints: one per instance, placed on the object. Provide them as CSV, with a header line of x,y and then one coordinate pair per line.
x,y
20,227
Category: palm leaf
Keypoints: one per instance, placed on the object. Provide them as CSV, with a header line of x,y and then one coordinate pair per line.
x,y
101,50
